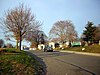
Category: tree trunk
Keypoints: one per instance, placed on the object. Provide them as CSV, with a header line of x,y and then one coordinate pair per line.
x,y
16,44
20,41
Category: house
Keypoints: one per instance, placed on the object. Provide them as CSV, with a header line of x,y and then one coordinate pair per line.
x,y
41,46
52,44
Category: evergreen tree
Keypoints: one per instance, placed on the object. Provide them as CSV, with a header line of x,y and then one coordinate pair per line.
x,y
89,32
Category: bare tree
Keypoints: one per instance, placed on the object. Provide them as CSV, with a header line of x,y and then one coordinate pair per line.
x,y
1,43
9,45
20,22
97,33
36,37
64,30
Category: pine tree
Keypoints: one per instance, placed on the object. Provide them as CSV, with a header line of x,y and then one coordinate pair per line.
x,y
89,32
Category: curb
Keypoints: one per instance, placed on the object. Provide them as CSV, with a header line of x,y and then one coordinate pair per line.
x,y
84,53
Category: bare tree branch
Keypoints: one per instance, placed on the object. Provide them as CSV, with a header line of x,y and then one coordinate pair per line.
x,y
64,30
20,22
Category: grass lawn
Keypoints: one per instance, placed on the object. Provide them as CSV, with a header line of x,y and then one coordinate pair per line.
x,y
14,62
92,49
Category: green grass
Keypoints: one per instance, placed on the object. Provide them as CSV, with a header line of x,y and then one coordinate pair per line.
x,y
92,49
14,62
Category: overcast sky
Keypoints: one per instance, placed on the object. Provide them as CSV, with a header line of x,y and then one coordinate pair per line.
x,y
50,11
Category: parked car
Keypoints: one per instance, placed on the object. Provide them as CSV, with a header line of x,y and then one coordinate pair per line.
x,y
48,49
26,48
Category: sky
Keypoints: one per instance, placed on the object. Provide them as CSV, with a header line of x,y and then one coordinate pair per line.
x,y
51,11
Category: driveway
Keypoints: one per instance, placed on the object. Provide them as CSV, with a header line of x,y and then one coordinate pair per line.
x,y
63,63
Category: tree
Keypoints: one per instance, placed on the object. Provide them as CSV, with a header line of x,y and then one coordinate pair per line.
x,y
1,43
36,37
89,32
97,33
63,31
20,22
9,45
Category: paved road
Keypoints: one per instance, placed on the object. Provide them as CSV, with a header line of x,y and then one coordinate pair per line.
x,y
61,63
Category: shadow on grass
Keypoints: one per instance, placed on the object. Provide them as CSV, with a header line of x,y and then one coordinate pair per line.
x,y
43,69
9,52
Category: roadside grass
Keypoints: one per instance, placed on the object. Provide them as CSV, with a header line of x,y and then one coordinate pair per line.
x,y
15,62
91,49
